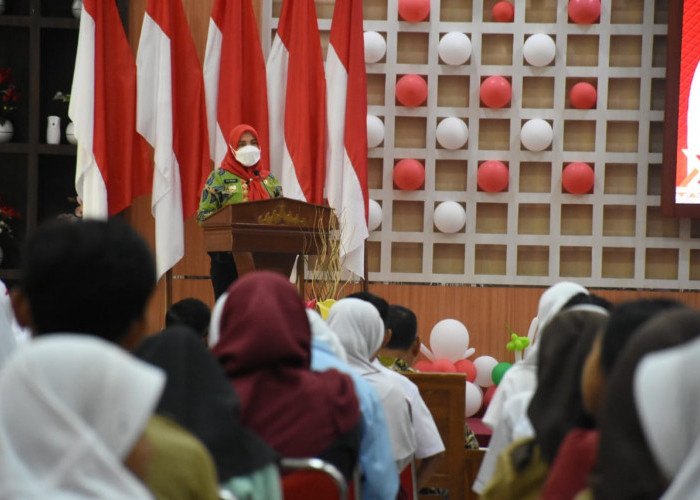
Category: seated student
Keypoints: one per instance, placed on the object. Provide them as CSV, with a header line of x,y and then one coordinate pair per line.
x,y
199,397
666,395
627,468
578,453
555,407
8,342
94,278
361,331
67,435
192,313
264,345
430,450
379,476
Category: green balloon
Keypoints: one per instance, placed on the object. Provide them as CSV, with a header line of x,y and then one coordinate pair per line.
x,y
499,370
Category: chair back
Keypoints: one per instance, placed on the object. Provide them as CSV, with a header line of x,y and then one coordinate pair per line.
x,y
312,479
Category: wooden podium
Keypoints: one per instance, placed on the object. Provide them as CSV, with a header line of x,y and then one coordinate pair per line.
x,y
269,234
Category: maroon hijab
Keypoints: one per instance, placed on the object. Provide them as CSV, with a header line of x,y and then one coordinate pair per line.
x,y
265,349
253,175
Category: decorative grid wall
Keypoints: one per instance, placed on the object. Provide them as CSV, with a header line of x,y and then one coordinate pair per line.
x,y
532,233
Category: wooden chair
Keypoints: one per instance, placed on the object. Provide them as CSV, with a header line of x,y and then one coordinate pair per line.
x,y
312,479
443,393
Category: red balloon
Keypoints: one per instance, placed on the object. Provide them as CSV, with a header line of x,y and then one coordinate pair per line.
x,y
411,90
577,178
583,95
495,91
488,395
503,12
444,365
423,365
467,367
414,11
492,176
584,11
409,174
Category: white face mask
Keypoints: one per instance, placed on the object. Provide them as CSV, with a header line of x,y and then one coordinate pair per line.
x,y
247,155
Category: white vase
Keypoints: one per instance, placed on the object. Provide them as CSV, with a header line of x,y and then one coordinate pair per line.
x,y
6,130
53,130
77,8
70,133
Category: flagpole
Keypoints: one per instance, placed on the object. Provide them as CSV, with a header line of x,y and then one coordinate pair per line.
x,y
168,289
365,285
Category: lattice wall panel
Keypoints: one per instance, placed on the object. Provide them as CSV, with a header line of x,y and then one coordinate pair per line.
x,y
533,233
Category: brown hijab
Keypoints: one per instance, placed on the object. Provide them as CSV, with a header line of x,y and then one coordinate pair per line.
x,y
265,349
253,175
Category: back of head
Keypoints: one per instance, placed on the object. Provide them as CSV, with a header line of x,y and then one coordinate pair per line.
x,y
359,328
625,319
626,466
556,406
403,325
190,312
377,301
89,276
72,429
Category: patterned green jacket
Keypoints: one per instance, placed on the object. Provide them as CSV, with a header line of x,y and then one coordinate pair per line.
x,y
224,188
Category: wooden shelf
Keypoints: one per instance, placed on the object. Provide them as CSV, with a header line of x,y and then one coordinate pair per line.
x,y
14,147
21,21
59,23
56,149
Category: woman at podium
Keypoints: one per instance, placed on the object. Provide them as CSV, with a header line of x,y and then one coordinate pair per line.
x,y
241,177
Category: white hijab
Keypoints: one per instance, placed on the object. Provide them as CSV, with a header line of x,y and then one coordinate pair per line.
x,y
7,333
667,395
361,332
215,320
321,331
522,376
73,406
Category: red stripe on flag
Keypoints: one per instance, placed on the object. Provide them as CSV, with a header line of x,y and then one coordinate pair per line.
x,y
190,138
121,153
305,108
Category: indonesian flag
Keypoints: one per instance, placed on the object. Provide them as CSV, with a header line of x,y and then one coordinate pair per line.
x,y
171,115
296,91
113,164
234,76
346,172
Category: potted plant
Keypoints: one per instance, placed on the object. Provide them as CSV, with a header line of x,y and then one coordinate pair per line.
x,y
9,98
7,214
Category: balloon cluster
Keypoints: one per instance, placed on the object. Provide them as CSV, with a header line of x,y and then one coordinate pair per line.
x,y
448,353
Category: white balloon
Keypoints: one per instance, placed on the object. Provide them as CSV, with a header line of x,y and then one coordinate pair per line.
x,y
473,398
449,339
455,48
539,50
452,133
375,131
375,215
449,217
484,366
375,47
536,134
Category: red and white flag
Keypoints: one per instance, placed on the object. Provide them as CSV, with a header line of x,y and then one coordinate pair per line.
x,y
234,76
171,115
346,158
113,162
296,91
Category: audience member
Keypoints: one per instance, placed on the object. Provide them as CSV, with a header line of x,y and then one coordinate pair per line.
x,y
265,348
199,397
404,345
626,467
554,408
379,475
578,453
361,331
8,343
190,312
74,411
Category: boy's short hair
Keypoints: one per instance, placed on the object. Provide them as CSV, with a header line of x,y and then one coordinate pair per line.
x,y
625,320
404,327
190,312
87,276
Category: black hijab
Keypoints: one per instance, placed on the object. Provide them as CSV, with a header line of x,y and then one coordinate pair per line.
x,y
199,397
557,407
626,467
